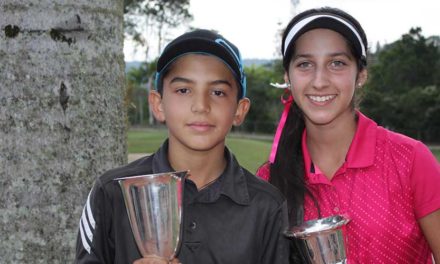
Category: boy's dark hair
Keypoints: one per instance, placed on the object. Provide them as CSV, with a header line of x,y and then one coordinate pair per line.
x,y
202,41
287,171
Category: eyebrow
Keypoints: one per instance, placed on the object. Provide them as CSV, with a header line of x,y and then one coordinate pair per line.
x,y
186,80
225,82
334,54
181,79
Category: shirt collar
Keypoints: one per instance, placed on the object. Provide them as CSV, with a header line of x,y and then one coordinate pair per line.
x,y
311,172
362,149
233,180
160,159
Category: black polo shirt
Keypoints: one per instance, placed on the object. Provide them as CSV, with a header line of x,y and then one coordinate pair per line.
x,y
237,219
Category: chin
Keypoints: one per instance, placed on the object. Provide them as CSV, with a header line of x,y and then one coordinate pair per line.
x,y
203,145
323,119
319,116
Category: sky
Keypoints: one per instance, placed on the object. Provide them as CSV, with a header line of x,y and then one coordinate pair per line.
x,y
254,25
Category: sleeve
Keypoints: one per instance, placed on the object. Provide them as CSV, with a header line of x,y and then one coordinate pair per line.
x,y
263,172
425,181
91,244
276,245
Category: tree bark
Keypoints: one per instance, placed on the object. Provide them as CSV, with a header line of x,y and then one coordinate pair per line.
x,y
62,119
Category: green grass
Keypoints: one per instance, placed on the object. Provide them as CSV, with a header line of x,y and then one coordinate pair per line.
x,y
250,152
436,152
145,141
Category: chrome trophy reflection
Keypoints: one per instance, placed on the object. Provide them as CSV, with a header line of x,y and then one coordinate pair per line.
x,y
154,209
324,239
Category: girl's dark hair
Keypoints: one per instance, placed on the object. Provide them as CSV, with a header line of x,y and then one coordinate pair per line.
x,y
362,62
287,172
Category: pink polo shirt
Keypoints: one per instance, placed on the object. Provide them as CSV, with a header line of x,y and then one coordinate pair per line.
x,y
387,182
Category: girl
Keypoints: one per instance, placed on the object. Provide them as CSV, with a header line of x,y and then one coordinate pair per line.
x,y
328,158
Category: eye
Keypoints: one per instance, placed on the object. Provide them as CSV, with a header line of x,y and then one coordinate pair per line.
x,y
304,64
218,93
338,63
182,90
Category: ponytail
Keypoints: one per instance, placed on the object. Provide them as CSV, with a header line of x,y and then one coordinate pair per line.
x,y
287,174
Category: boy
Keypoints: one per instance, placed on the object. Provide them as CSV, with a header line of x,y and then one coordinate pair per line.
x,y
229,216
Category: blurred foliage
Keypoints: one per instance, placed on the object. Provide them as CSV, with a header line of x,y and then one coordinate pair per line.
x,y
265,104
138,83
403,90
402,93
147,20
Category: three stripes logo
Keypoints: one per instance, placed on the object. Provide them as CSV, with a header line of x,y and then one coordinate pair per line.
x,y
87,225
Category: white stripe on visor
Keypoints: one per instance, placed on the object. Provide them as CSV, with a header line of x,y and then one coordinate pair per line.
x,y
295,29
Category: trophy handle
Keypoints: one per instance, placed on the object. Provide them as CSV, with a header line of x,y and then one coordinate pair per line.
x,y
181,194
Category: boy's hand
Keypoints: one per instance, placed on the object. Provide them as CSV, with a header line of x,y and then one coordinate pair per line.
x,y
155,260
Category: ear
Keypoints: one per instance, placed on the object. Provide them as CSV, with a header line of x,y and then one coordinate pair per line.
x,y
155,102
362,78
286,78
242,109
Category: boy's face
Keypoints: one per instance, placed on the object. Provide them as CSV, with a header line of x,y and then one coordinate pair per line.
x,y
199,102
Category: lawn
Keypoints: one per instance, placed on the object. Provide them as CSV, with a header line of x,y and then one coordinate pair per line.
x,y
145,140
250,151
436,152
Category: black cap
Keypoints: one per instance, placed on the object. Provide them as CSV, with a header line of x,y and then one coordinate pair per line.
x,y
205,42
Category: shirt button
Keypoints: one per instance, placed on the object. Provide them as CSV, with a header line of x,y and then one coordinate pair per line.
x,y
336,209
193,225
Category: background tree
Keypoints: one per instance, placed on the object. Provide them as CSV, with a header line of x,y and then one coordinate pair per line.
x,y
139,83
403,87
265,104
62,119
147,20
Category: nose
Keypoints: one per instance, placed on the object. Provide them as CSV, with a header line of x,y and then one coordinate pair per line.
x,y
200,103
321,78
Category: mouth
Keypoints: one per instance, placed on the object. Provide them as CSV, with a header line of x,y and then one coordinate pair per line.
x,y
201,126
321,98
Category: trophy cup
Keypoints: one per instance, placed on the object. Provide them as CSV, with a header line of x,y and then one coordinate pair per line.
x,y
154,209
324,239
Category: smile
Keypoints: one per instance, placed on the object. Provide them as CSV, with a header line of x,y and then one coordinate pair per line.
x,y
321,99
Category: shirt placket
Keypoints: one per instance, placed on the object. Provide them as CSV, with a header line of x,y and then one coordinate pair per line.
x,y
328,190
191,237
336,189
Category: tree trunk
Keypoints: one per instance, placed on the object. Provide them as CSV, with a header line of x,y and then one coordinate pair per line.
x,y
62,119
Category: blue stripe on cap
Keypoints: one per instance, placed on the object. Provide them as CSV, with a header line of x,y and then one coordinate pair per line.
x,y
237,57
156,80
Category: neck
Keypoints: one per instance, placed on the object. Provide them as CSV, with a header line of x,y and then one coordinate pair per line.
x,y
204,166
328,145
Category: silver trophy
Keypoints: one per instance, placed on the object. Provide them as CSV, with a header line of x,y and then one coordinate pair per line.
x,y
324,239
154,209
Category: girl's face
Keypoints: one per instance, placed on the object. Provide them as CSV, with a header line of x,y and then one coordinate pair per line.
x,y
323,75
